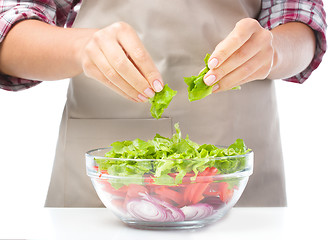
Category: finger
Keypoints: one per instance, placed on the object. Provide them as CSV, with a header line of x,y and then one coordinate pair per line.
x,y
95,73
246,70
239,57
140,57
263,72
117,58
201,71
258,75
119,61
239,35
112,75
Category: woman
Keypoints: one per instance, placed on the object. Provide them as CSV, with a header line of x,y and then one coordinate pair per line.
x,y
134,47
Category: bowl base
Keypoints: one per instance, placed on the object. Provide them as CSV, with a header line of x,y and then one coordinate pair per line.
x,y
167,225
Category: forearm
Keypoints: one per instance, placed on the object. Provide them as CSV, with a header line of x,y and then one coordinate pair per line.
x,y
36,50
294,45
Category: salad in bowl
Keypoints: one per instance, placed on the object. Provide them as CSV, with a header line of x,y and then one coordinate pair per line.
x,y
169,183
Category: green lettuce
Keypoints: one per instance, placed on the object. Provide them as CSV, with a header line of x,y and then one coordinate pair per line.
x,y
161,100
197,89
170,155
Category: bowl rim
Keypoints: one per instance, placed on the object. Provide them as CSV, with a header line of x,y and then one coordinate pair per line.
x,y
242,173
88,154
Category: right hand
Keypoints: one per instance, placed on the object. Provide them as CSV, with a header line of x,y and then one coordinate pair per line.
x,y
116,57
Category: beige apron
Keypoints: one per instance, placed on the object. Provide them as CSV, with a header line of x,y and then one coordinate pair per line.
x,y
177,34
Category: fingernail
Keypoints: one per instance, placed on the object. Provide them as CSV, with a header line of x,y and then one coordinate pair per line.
x,y
215,87
149,92
157,86
141,97
213,63
209,80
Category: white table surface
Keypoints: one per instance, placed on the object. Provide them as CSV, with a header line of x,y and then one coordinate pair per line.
x,y
100,223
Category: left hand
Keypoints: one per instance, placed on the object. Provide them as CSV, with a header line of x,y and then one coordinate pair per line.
x,y
245,55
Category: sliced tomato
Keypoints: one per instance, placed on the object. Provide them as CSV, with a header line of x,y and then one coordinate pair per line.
x,y
198,190
133,190
204,186
194,192
101,171
188,193
148,180
207,175
213,171
121,192
168,195
225,194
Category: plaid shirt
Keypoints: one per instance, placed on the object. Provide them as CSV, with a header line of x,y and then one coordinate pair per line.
x,y
63,12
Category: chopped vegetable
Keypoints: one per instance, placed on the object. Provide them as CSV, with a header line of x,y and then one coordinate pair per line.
x,y
151,209
194,192
177,213
181,182
169,195
161,100
225,193
148,211
197,89
197,211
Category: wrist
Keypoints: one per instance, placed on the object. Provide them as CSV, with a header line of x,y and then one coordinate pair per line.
x,y
82,37
277,56
294,45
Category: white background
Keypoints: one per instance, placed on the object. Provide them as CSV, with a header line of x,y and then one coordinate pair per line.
x,y
29,122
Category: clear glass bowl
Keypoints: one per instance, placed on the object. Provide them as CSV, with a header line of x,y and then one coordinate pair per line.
x,y
141,202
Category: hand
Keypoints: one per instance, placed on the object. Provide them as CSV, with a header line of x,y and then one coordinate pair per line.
x,y
246,54
116,57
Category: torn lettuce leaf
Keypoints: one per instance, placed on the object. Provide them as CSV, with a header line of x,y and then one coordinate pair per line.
x,y
161,100
197,89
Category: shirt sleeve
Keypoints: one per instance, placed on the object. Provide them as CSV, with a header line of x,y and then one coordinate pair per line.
x,y
277,12
60,13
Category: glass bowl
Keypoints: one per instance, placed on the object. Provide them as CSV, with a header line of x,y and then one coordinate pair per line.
x,y
174,200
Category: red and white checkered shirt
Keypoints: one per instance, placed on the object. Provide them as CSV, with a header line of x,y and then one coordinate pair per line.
x,y
63,12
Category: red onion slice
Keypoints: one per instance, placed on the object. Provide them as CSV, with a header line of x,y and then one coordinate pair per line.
x,y
152,209
177,213
197,211
146,210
